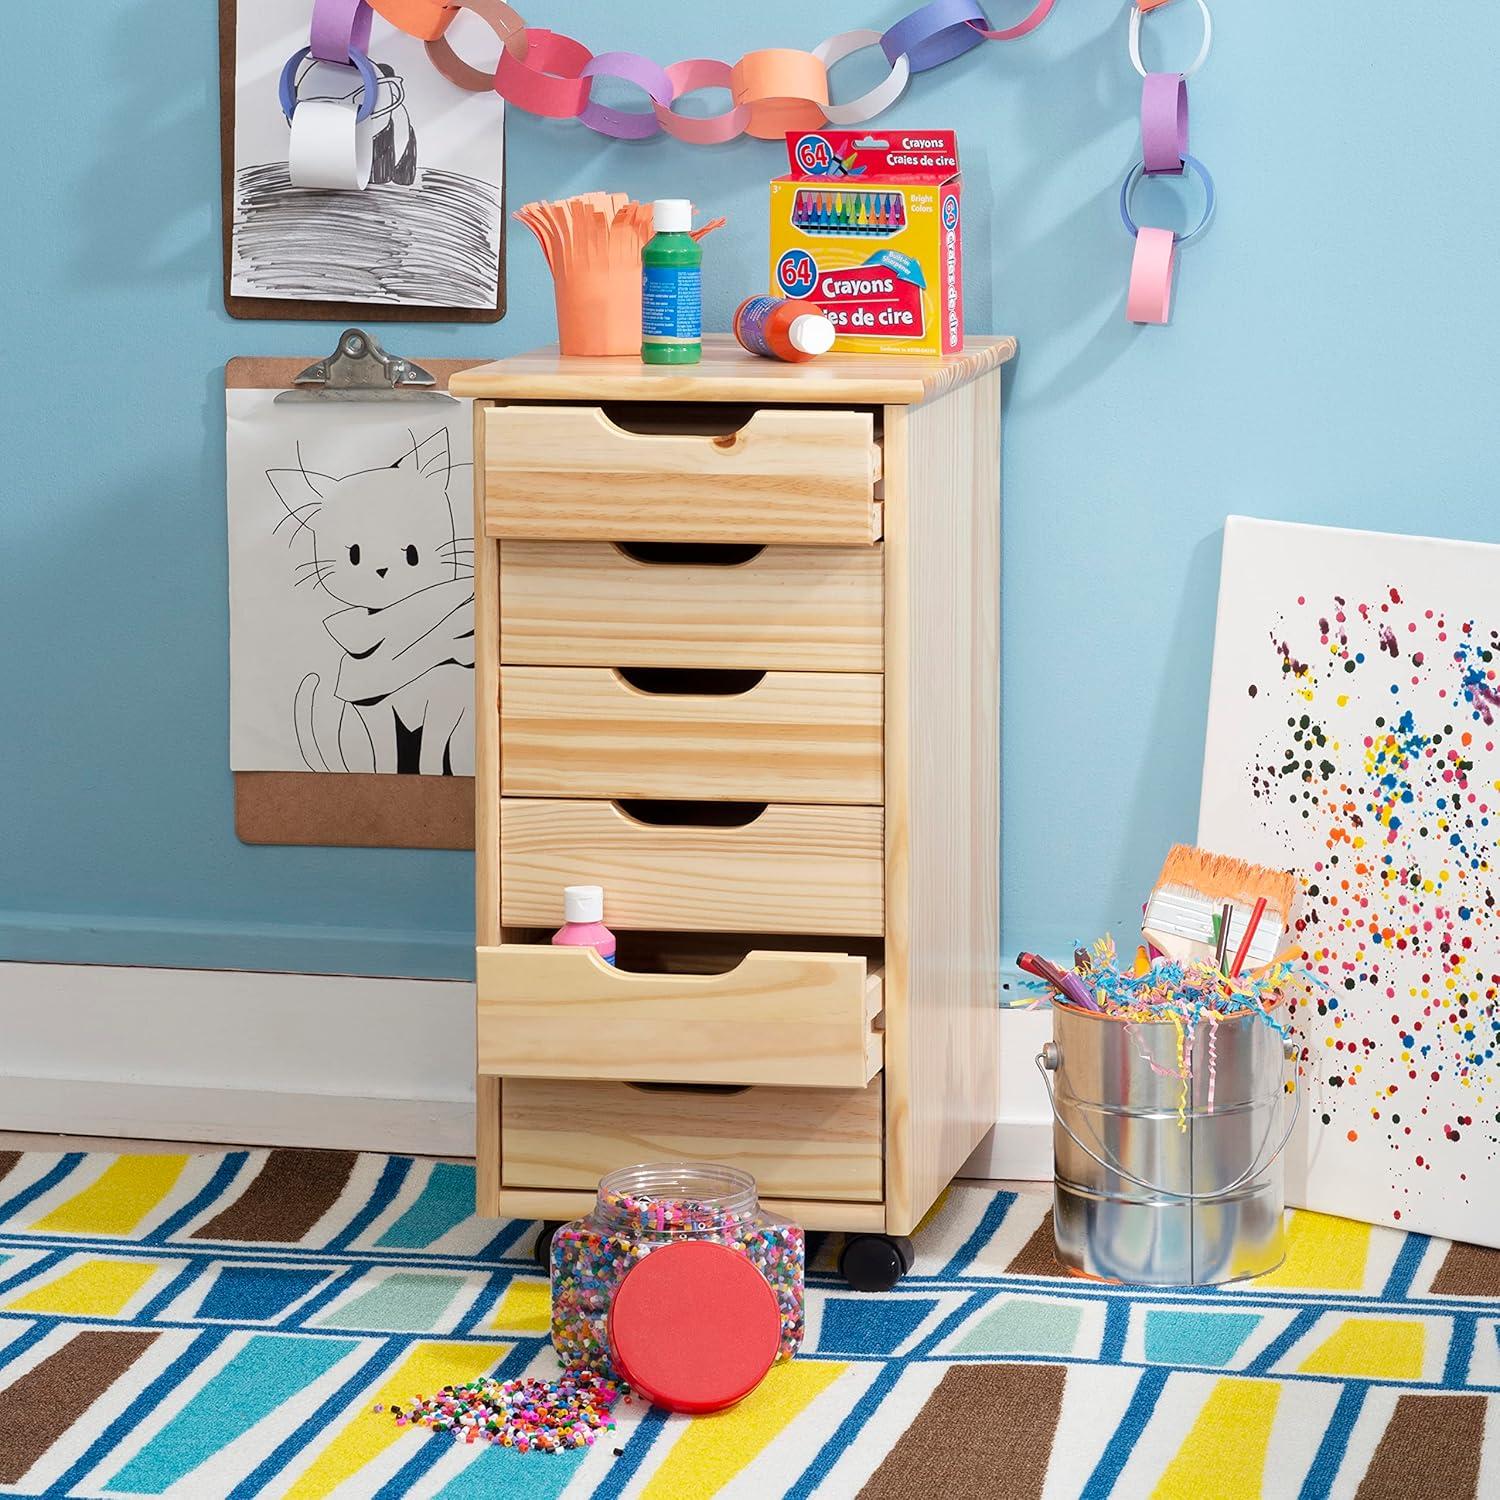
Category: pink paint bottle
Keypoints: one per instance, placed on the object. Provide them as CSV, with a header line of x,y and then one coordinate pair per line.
x,y
583,906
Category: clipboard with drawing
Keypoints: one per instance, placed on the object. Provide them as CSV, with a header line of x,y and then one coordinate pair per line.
x,y
350,513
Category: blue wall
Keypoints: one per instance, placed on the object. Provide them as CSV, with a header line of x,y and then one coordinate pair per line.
x,y
1333,360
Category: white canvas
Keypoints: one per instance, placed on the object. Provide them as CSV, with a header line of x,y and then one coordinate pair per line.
x,y
1352,737
426,232
351,596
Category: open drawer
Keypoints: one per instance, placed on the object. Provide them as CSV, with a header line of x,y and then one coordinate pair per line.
x,y
773,737
802,1020
571,473
670,866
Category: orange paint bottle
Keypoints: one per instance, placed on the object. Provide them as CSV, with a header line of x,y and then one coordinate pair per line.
x,y
786,328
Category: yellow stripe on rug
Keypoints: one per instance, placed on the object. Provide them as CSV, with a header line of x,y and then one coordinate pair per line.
x,y
95,1289
1323,1254
425,1371
1223,1456
1371,1349
526,1307
116,1202
713,1449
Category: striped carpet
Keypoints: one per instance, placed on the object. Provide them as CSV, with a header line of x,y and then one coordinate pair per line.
x,y
224,1324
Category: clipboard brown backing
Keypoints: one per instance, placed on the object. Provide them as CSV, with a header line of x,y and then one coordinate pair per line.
x,y
348,810
311,311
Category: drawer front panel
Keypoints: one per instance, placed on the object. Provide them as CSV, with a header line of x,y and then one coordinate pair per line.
x,y
569,473
590,604
793,737
794,869
803,1020
797,1143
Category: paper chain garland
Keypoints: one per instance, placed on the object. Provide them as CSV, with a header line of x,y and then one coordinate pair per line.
x,y
774,90
1164,151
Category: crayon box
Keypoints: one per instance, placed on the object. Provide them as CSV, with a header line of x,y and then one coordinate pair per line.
x,y
868,224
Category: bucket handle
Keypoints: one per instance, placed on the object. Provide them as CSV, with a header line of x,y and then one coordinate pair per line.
x,y
1049,1059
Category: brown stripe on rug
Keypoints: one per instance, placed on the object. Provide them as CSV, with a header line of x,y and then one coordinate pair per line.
x,y
1038,1256
290,1193
1468,1271
985,1430
51,1396
1428,1451
8,1159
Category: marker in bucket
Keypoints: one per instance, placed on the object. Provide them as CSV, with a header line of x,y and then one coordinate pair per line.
x,y
1069,986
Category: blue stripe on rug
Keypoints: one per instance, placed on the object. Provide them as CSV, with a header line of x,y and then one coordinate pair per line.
x,y
1460,1351
989,1221
636,1449
846,1433
510,1232
174,1288
44,1184
1404,1271
1122,1442
1330,1455
1116,1326
1302,1323
392,1175
223,1175
446,1200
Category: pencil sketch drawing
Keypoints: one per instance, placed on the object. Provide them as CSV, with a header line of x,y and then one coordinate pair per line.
x,y
384,546
425,232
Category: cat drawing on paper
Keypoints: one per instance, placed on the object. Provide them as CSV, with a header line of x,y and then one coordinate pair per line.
x,y
386,548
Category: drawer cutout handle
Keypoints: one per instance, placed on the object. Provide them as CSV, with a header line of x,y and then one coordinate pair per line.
x,y
690,1088
690,554
662,814
698,682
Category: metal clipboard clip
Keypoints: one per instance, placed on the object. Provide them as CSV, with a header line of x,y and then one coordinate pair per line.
x,y
360,370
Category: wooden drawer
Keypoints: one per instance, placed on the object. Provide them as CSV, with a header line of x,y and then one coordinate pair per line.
x,y
592,604
791,737
797,1143
804,1020
793,869
570,473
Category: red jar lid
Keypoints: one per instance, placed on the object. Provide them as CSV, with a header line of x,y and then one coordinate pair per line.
x,y
694,1326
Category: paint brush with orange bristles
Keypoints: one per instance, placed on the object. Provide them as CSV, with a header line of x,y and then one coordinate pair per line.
x,y
1195,886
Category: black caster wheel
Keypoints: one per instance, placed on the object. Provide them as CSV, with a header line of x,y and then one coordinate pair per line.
x,y
875,1262
541,1251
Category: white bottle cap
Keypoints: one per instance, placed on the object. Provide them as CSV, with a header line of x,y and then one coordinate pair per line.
x,y
583,903
672,215
811,333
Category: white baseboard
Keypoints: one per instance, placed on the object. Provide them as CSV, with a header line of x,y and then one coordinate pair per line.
x,y
248,1058
237,1057
1020,1145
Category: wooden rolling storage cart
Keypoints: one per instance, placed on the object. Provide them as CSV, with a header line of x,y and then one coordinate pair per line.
x,y
737,661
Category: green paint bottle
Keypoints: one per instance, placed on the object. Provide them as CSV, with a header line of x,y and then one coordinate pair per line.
x,y
671,287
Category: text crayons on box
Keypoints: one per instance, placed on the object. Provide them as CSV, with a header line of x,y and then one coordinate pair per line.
x,y
871,229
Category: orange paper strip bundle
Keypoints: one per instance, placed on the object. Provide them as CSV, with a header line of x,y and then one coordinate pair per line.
x,y
593,247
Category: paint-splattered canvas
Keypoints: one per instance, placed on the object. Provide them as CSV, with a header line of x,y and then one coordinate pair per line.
x,y
1353,732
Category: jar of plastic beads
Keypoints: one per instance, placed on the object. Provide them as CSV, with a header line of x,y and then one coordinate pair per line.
x,y
640,1209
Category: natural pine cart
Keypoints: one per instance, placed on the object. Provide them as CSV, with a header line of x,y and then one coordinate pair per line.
x,y
737,661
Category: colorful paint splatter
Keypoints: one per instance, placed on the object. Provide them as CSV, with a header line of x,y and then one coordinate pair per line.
x,y
1401,898
1354,737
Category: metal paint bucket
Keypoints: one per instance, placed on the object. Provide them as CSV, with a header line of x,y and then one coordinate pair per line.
x,y
1136,1197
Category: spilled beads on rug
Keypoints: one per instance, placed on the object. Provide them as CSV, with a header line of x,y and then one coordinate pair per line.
x,y
529,1415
